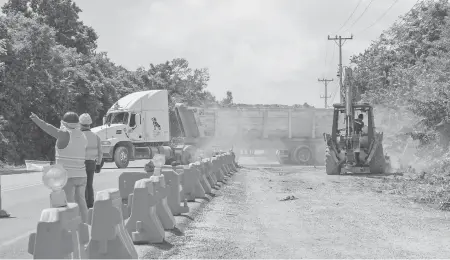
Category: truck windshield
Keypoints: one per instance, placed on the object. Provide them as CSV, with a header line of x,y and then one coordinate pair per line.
x,y
117,118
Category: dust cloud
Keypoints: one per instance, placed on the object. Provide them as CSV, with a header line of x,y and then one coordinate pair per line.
x,y
241,134
397,125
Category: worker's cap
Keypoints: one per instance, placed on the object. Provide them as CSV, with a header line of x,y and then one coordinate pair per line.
x,y
85,119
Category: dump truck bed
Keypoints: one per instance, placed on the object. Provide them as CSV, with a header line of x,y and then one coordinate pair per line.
x,y
259,128
272,123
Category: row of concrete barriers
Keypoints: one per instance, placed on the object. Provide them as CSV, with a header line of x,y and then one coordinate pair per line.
x,y
137,212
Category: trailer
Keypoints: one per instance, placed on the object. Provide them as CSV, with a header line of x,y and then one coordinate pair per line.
x,y
293,135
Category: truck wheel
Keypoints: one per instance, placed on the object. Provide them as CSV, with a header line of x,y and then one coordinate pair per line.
x,y
302,155
378,163
331,165
121,157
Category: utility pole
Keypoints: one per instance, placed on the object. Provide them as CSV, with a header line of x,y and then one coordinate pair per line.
x,y
325,81
340,41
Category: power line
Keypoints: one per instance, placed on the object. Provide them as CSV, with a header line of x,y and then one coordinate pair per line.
x,y
332,57
334,93
379,18
326,55
357,19
351,15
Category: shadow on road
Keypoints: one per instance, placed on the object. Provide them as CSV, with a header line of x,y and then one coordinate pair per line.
x,y
176,231
187,216
377,176
115,168
15,171
166,246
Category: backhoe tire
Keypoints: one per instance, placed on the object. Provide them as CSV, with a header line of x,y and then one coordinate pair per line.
x,y
378,163
331,165
121,157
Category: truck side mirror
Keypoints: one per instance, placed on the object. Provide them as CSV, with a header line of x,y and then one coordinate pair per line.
x,y
104,120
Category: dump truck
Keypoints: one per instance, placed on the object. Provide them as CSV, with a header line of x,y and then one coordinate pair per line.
x,y
137,127
352,149
292,134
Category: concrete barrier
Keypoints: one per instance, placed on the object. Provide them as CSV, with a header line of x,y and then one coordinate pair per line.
x,y
138,212
216,169
109,239
191,183
126,187
173,180
144,225
59,234
180,171
162,209
207,168
203,181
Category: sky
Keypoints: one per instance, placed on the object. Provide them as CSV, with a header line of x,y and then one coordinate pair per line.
x,y
264,51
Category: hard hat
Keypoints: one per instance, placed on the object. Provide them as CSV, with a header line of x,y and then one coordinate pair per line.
x,y
85,119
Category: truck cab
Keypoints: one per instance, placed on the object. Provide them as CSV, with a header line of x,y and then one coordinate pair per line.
x,y
136,127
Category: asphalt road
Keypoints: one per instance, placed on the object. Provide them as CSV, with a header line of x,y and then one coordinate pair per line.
x,y
24,197
266,212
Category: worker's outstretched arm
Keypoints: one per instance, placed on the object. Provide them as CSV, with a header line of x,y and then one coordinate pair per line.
x,y
48,128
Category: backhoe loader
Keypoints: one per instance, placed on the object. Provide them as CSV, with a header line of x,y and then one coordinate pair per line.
x,y
350,148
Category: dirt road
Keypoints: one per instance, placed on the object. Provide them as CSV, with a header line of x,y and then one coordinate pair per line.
x,y
329,217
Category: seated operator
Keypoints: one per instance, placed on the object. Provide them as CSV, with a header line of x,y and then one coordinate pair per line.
x,y
359,124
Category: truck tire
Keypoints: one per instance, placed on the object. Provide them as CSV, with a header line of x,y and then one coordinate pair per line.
x,y
302,154
378,163
331,165
121,157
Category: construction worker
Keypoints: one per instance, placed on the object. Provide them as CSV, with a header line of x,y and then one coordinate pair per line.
x,y
93,156
359,124
70,152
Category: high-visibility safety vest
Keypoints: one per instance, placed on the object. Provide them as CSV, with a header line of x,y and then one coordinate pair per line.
x,y
92,145
72,157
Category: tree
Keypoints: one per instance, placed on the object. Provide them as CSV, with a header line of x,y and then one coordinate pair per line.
x,y
407,66
48,65
228,100
63,17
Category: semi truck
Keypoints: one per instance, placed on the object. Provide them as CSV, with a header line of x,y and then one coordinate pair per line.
x,y
137,127
294,135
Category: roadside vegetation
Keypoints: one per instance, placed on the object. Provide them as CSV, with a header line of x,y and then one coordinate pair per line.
x,y
49,65
407,71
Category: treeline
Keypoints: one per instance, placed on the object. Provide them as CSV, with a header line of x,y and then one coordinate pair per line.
x,y
49,65
408,67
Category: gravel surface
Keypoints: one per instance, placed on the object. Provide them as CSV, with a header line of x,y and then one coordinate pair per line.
x,y
300,212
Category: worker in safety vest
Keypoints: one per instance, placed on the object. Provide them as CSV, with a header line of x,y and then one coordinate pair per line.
x,y
70,152
93,156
